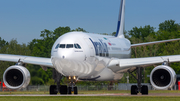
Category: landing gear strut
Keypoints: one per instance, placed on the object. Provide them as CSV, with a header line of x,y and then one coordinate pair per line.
x,y
143,89
54,89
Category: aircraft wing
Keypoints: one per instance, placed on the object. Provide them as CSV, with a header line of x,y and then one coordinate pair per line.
x,y
46,62
154,42
123,65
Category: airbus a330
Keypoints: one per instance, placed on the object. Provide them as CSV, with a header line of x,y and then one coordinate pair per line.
x,y
87,56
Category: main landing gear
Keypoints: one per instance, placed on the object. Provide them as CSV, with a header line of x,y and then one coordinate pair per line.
x,y
135,89
63,89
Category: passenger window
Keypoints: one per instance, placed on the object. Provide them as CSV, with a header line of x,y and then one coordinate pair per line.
x,y
69,46
57,46
77,46
62,46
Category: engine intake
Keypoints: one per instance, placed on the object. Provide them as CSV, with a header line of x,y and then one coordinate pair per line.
x,y
16,77
163,77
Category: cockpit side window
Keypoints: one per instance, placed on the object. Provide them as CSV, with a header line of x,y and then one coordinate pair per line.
x,y
57,46
77,46
62,46
69,46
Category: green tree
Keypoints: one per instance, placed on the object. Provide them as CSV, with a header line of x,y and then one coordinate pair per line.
x,y
2,43
168,30
79,29
168,25
60,31
41,48
142,32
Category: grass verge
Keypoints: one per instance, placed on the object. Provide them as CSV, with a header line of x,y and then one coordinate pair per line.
x,y
92,98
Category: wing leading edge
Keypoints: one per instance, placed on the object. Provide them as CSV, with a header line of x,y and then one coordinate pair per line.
x,y
27,59
154,42
122,65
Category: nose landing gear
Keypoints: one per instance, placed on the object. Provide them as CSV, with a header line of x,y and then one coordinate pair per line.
x,y
72,88
63,89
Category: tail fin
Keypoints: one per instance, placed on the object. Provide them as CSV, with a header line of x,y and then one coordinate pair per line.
x,y
120,26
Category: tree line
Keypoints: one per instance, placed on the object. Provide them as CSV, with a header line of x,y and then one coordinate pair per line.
x,y
42,48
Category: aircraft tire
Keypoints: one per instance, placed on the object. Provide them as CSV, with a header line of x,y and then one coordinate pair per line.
x,y
69,90
144,90
134,90
53,89
75,90
63,89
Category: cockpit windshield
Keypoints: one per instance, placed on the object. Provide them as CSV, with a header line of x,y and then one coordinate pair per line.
x,y
77,46
69,46
62,46
57,46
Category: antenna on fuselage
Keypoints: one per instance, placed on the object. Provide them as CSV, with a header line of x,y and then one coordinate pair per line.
x,y
120,25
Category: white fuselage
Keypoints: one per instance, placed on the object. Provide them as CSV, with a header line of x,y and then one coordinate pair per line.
x,y
87,56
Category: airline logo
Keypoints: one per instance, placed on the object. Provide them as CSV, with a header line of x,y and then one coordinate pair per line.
x,y
100,47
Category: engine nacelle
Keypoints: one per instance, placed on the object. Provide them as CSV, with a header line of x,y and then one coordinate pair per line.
x,y
163,77
16,77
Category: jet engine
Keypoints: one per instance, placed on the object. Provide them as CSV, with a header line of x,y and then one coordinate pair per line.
x,y
163,77
16,77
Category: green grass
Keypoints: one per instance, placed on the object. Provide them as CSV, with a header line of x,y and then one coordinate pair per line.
x,y
89,98
96,98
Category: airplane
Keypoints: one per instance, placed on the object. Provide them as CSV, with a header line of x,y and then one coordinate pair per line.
x,y
86,56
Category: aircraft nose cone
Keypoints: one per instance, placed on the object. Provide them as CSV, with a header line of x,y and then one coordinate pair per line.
x,y
65,53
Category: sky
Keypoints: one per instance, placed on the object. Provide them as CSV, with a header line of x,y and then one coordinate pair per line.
x,y
24,20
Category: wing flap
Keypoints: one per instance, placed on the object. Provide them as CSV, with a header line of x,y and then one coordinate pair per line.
x,y
27,59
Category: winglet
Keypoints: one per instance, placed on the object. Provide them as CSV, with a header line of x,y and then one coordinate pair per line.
x,y
120,25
